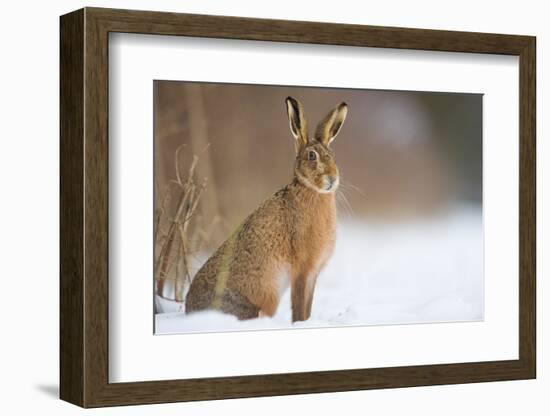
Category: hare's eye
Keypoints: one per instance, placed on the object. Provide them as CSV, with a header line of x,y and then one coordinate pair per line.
x,y
312,155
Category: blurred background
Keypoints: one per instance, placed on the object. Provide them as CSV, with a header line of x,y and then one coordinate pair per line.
x,y
409,153
404,157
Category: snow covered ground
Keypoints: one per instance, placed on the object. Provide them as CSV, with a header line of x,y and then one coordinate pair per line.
x,y
381,273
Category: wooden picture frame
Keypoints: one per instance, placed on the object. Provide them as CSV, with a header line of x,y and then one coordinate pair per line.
x,y
84,207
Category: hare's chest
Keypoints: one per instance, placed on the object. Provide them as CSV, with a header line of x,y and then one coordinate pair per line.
x,y
320,242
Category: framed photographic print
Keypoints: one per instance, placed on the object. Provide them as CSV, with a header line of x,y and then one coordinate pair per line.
x,y
255,207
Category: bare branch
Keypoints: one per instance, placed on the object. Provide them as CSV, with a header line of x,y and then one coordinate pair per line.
x,y
184,236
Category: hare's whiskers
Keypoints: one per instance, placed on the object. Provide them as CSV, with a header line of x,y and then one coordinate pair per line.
x,y
344,203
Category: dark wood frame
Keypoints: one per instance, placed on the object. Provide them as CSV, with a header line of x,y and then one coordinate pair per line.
x,y
84,209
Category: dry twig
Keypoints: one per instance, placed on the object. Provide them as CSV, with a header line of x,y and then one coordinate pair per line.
x,y
179,242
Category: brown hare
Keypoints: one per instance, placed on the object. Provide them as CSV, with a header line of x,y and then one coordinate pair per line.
x,y
286,241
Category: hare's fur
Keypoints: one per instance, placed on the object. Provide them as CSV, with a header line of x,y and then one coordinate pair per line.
x,y
287,240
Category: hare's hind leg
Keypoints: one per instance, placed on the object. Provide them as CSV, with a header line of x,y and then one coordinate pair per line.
x,y
269,305
276,282
200,294
236,304
263,288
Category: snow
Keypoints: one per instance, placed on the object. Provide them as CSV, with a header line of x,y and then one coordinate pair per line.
x,y
424,271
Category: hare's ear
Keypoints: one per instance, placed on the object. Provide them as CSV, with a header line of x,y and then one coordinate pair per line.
x,y
331,124
297,120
